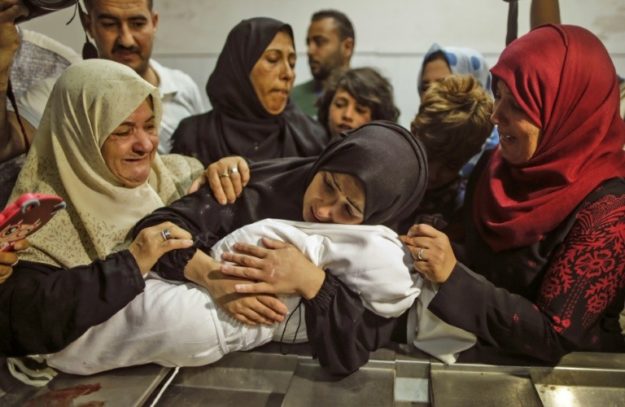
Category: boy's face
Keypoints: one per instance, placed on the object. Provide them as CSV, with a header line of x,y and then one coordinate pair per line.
x,y
345,113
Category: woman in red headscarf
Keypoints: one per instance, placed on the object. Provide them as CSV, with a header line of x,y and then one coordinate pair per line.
x,y
546,211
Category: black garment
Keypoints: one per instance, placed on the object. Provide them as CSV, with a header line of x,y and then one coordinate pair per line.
x,y
44,308
539,302
519,323
385,157
238,123
341,338
275,190
391,164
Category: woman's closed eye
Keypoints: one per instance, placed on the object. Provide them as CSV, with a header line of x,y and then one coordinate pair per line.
x,y
350,211
150,127
123,131
327,183
273,56
127,130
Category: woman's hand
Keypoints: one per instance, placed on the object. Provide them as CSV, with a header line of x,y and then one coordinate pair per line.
x,y
226,177
247,308
203,270
9,259
153,242
431,251
279,267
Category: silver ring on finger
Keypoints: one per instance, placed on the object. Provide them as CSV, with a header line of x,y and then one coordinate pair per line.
x,y
233,170
15,263
165,234
420,255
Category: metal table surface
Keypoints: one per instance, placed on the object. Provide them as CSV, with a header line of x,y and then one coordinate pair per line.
x,y
268,378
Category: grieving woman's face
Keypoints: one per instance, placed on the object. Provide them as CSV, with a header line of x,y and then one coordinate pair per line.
x,y
273,74
345,113
518,136
333,197
130,149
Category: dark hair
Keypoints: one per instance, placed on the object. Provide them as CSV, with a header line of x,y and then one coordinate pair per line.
x,y
367,86
454,120
345,27
89,4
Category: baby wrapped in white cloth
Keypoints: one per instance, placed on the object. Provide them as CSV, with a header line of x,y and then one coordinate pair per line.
x,y
178,324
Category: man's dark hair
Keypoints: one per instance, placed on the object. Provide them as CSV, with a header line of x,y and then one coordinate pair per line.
x,y
89,4
345,27
367,86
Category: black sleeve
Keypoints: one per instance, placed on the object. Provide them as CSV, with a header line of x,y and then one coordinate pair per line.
x,y
497,317
197,213
43,308
582,283
341,332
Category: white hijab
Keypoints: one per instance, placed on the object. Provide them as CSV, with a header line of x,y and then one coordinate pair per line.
x,y
461,61
88,102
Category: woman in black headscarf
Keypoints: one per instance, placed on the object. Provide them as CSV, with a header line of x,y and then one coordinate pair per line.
x,y
382,158
252,115
387,165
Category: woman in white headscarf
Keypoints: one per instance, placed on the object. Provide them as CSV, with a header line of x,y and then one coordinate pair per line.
x,y
96,148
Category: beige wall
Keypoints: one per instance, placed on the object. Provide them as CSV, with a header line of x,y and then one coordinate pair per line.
x,y
391,35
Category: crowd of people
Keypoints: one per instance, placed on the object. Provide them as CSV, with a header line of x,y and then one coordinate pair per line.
x,y
492,231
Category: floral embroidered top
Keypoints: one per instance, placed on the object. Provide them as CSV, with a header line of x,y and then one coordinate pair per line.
x,y
539,302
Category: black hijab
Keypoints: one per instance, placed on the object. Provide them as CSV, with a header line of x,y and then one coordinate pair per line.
x,y
384,156
238,123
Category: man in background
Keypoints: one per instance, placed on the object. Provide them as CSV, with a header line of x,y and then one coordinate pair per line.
x,y
123,31
330,45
